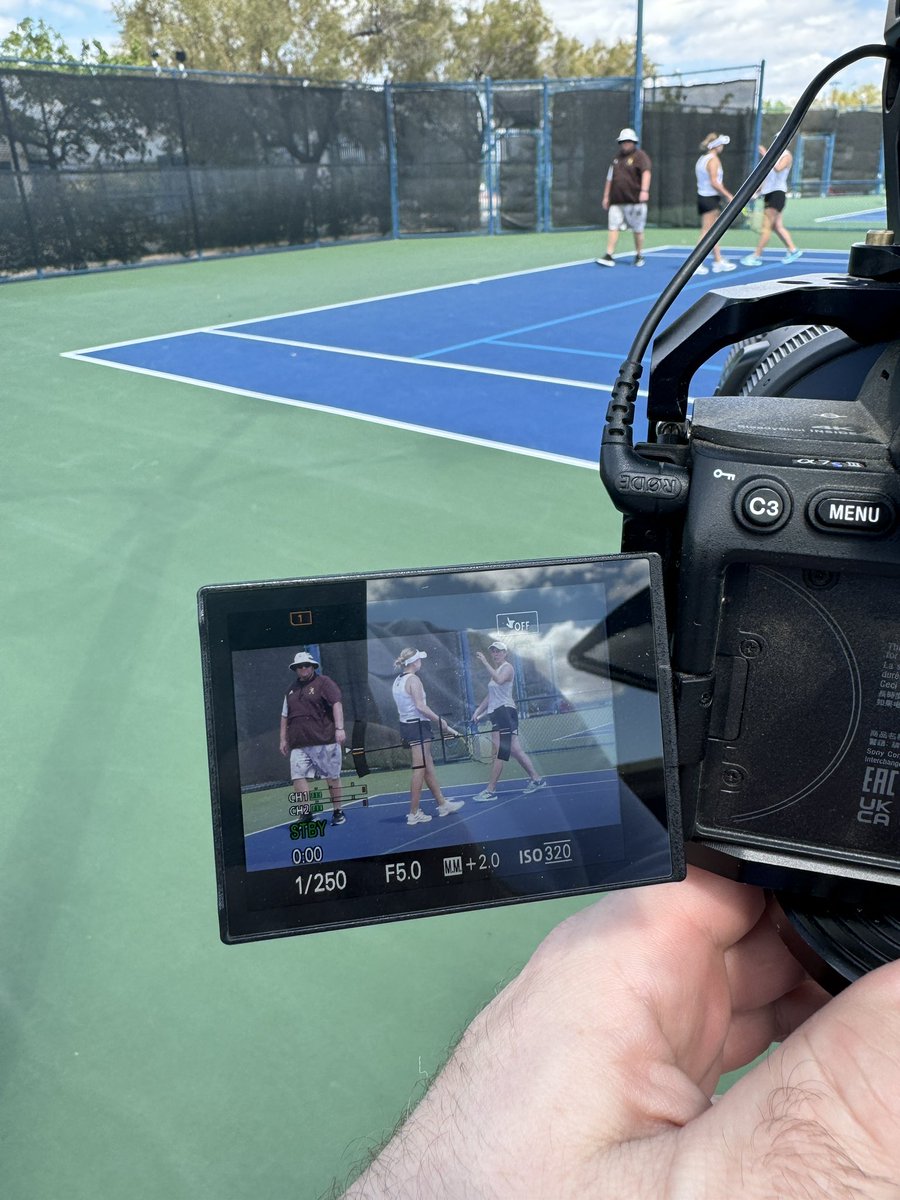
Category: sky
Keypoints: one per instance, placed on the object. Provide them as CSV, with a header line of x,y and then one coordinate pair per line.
x,y
795,38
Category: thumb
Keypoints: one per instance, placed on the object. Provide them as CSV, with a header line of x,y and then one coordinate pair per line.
x,y
818,1118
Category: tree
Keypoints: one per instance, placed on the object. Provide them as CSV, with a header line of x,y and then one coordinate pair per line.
x,y
506,39
285,37
36,41
404,40
867,95
569,58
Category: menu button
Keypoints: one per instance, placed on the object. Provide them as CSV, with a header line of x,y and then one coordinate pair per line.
x,y
861,513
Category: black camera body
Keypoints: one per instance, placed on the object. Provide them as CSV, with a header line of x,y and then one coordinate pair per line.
x,y
776,511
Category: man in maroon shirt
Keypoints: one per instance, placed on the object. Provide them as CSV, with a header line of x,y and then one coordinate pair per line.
x,y
312,732
625,197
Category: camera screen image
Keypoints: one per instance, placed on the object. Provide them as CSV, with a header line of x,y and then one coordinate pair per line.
x,y
406,743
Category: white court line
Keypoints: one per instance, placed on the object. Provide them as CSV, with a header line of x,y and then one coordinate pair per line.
x,y
863,212
300,312
416,362
487,443
230,329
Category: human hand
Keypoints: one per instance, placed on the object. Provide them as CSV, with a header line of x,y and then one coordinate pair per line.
x,y
592,1073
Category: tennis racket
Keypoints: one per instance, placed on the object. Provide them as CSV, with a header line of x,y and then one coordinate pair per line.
x,y
478,743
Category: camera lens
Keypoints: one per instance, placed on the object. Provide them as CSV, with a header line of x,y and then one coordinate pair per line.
x,y
847,939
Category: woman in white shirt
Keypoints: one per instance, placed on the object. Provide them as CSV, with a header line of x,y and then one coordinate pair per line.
x,y
710,193
416,729
500,707
774,194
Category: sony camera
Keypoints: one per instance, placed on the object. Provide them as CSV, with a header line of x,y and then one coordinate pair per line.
x,y
775,507
726,690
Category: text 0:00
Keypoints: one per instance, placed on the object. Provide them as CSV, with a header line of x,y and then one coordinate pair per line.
x,y
309,854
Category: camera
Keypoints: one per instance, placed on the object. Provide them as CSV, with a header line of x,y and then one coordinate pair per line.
x,y
775,507
725,691
399,744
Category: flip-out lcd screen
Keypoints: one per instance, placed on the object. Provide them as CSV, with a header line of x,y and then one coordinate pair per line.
x,y
410,743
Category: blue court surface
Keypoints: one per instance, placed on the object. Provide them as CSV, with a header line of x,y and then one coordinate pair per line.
x,y
523,362
582,800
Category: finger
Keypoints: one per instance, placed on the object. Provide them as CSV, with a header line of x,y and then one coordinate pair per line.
x,y
820,1115
761,967
753,1032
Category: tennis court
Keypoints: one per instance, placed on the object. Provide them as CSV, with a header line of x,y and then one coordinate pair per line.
x,y
142,1058
510,361
571,800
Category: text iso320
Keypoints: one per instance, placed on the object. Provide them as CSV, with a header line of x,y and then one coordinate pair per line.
x,y
549,852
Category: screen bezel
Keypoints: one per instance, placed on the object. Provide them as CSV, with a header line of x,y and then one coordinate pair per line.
x,y
245,914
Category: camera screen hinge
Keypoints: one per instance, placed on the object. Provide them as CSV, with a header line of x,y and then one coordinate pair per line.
x,y
710,706
693,705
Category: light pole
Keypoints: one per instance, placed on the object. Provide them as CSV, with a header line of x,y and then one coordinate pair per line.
x,y
638,106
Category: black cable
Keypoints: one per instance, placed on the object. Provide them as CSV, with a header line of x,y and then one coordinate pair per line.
x,y
744,193
627,474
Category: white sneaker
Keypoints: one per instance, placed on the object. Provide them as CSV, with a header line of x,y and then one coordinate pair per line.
x,y
449,806
535,785
701,270
724,265
486,795
417,818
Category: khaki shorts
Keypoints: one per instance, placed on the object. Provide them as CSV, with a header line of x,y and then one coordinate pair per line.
x,y
316,762
628,216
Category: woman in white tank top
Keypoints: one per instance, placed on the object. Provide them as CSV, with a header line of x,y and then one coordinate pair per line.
x,y
415,725
774,193
500,707
710,193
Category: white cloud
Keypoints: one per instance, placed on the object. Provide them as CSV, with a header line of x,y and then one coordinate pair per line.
x,y
795,39
693,35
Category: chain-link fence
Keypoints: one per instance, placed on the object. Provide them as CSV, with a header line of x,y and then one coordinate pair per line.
x,y
108,166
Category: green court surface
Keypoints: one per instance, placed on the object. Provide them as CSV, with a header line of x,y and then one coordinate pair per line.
x,y
141,1057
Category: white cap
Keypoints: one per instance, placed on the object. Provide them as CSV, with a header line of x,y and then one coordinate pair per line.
x,y
722,140
497,646
407,662
303,660
628,135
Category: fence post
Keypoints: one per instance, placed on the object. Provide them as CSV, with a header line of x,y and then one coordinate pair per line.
x,y
758,120
637,107
391,133
546,210
192,204
20,182
827,164
489,148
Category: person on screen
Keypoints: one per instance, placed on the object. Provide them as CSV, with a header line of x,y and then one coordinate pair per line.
x,y
500,707
312,732
774,194
625,196
416,729
593,1073
711,191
